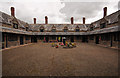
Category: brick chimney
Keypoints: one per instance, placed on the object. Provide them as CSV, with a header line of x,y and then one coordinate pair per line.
x,y
46,20
12,11
72,20
105,11
34,20
83,20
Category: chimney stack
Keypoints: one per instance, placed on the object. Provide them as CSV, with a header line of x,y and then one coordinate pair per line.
x,y
83,20
105,11
34,20
72,20
46,20
12,11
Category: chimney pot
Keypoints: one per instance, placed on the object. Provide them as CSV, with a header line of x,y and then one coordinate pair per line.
x,y
105,11
72,20
46,20
12,11
83,20
34,20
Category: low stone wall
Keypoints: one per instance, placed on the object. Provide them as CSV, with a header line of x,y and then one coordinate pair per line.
x,y
12,43
27,41
9,40
105,43
91,41
115,44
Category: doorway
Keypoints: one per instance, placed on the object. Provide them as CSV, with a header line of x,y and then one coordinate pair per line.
x,y
47,39
34,39
72,39
59,39
85,39
97,39
21,40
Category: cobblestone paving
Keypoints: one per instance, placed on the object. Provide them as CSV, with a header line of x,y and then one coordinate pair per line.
x,y
41,59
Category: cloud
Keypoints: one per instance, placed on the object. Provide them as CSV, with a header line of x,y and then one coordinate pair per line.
x,y
84,9
118,5
57,11
26,11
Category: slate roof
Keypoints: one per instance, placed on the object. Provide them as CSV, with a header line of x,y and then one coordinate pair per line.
x,y
59,27
101,31
22,24
112,18
5,18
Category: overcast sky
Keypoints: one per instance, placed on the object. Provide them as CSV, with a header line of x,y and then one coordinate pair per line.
x,y
59,11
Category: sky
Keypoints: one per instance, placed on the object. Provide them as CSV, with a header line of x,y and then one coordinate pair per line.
x,y
59,11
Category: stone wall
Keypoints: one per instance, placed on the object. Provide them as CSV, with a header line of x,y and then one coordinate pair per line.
x,y
109,40
27,39
9,40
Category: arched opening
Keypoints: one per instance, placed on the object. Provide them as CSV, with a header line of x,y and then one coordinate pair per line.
x,y
65,29
97,40
77,29
41,29
53,29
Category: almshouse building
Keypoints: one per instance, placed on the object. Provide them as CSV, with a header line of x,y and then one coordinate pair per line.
x,y
104,31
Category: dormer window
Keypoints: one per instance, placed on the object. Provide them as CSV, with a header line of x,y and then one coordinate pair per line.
x,y
65,29
109,21
9,21
91,28
77,29
15,25
53,29
26,28
41,29
103,25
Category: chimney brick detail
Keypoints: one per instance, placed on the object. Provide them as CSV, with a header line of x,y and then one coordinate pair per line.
x,y
34,20
46,20
12,11
72,20
105,11
83,20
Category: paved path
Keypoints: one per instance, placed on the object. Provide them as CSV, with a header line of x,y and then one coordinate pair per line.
x,y
41,59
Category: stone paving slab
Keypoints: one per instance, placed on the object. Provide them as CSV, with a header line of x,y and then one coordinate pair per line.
x,y
41,59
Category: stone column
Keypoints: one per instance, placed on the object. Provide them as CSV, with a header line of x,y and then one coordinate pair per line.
x,y
4,40
56,39
18,41
111,40
24,41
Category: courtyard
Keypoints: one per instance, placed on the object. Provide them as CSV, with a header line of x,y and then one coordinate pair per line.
x,y
40,59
